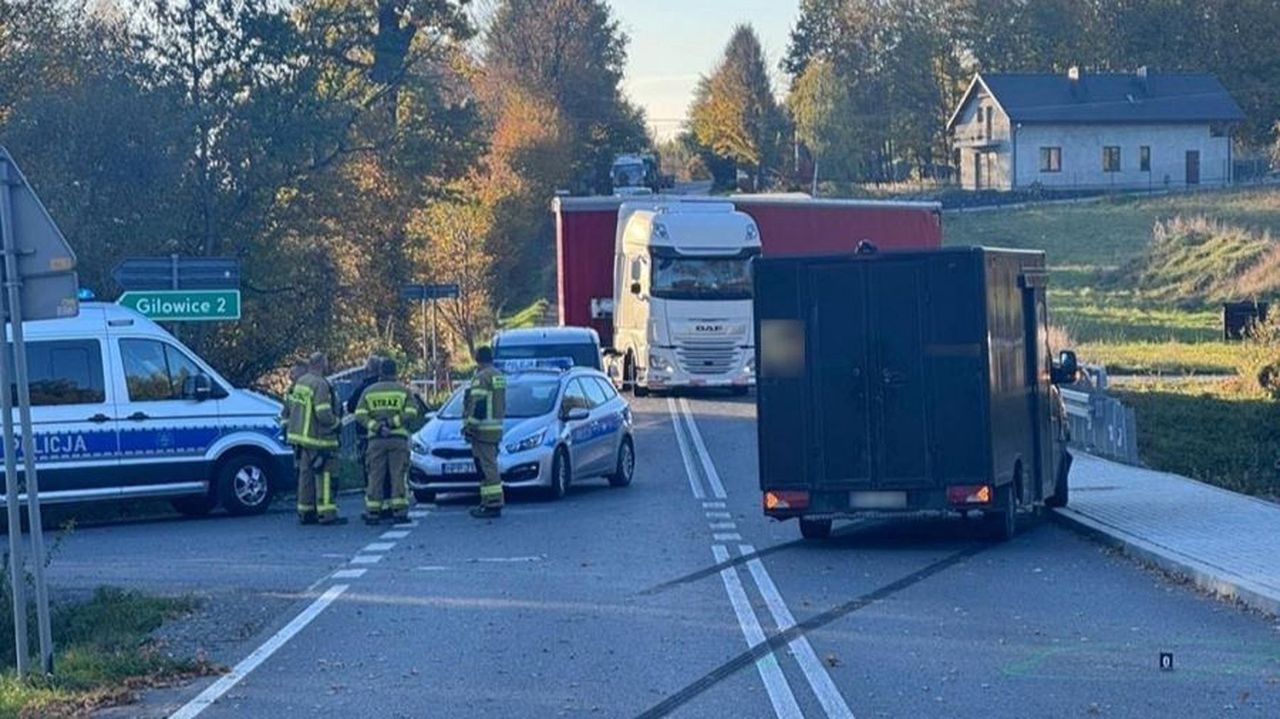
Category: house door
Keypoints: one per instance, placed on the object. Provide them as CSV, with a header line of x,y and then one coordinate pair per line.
x,y
1193,167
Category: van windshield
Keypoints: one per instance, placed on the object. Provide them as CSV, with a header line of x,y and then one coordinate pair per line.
x,y
582,354
701,278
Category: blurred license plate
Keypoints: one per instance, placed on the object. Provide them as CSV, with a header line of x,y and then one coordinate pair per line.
x,y
459,467
878,500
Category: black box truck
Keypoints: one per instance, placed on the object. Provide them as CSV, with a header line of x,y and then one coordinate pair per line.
x,y
908,382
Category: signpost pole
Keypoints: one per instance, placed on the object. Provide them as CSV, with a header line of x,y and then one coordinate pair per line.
x,y
17,578
13,283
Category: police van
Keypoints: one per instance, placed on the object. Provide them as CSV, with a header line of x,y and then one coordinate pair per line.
x,y
121,409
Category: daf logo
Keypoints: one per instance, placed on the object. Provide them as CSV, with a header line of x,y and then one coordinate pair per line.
x,y
709,328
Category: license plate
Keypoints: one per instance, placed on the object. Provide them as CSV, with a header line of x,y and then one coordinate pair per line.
x,y
459,467
878,500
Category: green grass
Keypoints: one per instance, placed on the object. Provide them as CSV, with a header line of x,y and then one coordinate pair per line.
x,y
530,316
1217,433
104,651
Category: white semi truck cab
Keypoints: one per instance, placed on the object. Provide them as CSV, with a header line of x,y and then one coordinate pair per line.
x,y
682,295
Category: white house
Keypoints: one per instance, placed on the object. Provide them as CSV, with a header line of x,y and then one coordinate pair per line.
x,y
1093,131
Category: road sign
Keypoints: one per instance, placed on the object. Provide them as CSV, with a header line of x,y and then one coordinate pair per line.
x,y
46,263
446,291
178,273
184,305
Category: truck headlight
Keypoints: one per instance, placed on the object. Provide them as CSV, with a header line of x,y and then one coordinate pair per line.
x,y
750,367
417,446
527,443
659,363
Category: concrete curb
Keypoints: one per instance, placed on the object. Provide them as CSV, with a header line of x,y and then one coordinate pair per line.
x,y
1215,580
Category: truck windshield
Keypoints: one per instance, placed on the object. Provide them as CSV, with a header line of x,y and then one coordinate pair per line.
x,y
629,174
701,278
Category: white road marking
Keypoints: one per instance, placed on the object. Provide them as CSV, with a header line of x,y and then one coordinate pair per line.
x,y
685,454
418,513
775,682
727,537
433,568
828,695
366,559
405,525
723,525
713,505
401,534
508,559
713,477
349,573
719,515
215,690
333,555
379,547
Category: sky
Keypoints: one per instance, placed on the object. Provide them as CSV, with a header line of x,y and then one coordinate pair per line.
x,y
673,42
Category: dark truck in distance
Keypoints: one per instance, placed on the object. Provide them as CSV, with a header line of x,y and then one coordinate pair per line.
x,y
907,382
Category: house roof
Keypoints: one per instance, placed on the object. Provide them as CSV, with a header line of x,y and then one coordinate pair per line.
x,y
1106,98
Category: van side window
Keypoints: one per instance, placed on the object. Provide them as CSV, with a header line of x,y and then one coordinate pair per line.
x,y
64,372
155,371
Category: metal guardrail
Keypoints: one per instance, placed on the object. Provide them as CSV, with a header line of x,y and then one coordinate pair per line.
x,y
1101,424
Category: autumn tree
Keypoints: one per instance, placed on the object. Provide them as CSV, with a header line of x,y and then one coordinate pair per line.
x,y
449,245
735,113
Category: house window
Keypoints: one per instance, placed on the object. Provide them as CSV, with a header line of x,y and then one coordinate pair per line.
x,y
988,125
1051,159
1217,129
1144,158
1111,159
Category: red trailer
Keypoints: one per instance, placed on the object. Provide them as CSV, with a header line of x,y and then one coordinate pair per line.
x,y
789,225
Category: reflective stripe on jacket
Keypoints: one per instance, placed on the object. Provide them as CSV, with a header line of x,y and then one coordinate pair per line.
x,y
388,403
485,405
312,421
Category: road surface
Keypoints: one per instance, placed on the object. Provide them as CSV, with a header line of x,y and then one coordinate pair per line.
x,y
675,597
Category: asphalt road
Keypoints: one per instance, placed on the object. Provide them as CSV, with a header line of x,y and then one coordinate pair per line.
x,y
676,597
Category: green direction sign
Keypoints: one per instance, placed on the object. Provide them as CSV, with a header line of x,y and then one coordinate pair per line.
x,y
184,305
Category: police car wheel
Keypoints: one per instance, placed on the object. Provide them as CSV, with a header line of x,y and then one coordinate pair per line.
x,y
626,465
244,485
194,506
561,475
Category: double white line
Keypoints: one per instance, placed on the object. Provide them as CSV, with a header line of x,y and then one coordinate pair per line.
x,y
775,680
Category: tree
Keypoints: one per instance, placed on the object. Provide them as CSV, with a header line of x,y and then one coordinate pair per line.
x,y
448,241
734,112
817,103
814,35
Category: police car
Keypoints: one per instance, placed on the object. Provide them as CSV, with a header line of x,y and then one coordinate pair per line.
x,y
121,409
563,424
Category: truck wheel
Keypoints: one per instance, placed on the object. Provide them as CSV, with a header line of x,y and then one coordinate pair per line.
x,y
815,528
245,484
1002,524
424,496
626,465
197,505
1061,488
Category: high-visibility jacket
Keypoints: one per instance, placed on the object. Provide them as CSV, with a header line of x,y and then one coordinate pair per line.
x,y
312,421
485,405
388,404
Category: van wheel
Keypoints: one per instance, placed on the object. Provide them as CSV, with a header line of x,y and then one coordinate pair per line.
x,y
625,467
196,505
244,485
424,496
815,528
1003,524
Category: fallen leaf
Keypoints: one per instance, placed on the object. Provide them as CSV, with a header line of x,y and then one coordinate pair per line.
x,y
833,661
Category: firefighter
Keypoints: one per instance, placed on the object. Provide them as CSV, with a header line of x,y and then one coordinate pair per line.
x,y
389,415
372,368
313,430
484,408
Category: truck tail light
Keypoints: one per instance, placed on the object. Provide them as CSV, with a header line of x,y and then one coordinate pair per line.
x,y
786,500
969,494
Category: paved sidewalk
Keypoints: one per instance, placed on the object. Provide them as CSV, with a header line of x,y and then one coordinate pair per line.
x,y
1227,543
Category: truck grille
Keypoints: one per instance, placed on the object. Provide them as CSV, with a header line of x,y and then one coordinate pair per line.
x,y
707,356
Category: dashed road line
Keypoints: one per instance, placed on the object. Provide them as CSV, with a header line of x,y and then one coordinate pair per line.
x,y
348,573
713,505
718,515
379,547
224,684
723,525
775,682
366,559
397,534
727,537
828,695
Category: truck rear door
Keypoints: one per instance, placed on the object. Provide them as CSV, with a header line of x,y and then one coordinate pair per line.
x,y
896,292
841,374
